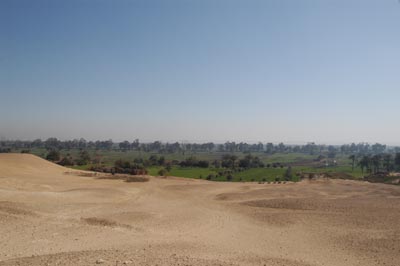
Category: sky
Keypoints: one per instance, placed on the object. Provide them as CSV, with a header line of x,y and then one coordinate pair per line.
x,y
294,71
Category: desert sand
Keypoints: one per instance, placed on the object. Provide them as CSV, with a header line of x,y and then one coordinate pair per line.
x,y
50,215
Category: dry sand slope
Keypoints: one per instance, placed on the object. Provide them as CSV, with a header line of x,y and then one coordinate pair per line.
x,y
48,217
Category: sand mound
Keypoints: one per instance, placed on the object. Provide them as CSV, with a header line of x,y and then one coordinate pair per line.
x,y
15,164
288,204
115,257
173,221
104,222
13,208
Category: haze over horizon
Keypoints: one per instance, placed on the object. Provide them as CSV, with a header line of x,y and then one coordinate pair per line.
x,y
276,71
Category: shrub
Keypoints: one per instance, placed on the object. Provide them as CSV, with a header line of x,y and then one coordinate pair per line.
x,y
138,161
84,158
53,155
162,172
5,150
288,173
193,162
125,167
66,161
161,160
210,177
203,164
136,179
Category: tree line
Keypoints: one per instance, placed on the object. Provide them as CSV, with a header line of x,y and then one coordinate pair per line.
x,y
376,163
176,147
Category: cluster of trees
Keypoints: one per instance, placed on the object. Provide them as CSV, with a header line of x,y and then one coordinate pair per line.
x,y
376,163
152,160
194,162
250,161
227,173
55,156
56,144
309,148
126,167
227,166
365,148
5,150
232,164
122,167
232,161
176,147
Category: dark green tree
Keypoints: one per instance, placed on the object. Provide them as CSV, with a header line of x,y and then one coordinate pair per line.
x,y
66,161
387,161
364,163
397,161
376,161
53,155
168,167
163,172
84,158
288,174
353,161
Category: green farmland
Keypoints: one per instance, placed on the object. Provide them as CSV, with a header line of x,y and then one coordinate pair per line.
x,y
299,163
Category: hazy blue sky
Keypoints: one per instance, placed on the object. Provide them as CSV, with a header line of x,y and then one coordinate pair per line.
x,y
278,70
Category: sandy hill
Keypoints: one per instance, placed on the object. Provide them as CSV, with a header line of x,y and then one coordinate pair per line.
x,y
50,215
26,171
15,164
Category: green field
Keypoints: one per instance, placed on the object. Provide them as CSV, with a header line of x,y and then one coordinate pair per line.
x,y
110,156
254,174
301,163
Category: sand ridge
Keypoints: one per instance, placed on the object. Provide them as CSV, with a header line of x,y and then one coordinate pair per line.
x,y
50,215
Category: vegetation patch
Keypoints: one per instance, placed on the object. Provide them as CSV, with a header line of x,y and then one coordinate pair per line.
x,y
230,161
126,178
136,179
383,178
95,221
99,222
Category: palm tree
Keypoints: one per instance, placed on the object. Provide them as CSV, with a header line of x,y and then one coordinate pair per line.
x,y
387,161
364,163
376,162
353,161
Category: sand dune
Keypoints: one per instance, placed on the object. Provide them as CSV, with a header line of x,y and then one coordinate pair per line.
x,y
50,215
